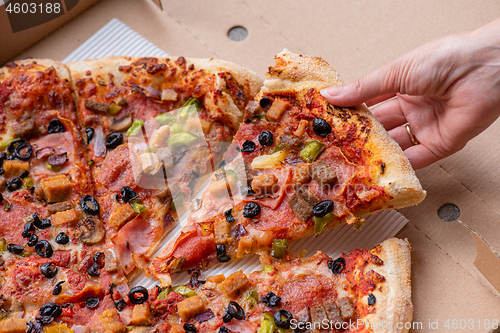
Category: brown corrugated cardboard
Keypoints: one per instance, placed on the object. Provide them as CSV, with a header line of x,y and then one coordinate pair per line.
x,y
13,43
356,38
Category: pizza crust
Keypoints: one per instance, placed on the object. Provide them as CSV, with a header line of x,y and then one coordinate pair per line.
x,y
393,297
294,72
250,82
61,69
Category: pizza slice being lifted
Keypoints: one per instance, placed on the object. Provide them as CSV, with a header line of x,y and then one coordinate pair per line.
x,y
154,127
298,165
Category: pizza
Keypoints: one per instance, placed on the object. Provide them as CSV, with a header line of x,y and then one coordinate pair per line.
x,y
297,166
100,158
74,187
154,127
355,292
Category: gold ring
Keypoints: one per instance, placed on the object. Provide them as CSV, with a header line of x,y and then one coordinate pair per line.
x,y
413,139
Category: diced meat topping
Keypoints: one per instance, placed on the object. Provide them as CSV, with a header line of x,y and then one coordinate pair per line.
x,y
25,129
318,314
307,196
244,246
56,189
190,307
111,323
333,313
96,106
277,109
59,207
347,310
234,284
323,174
142,315
300,207
301,128
302,173
290,141
263,184
15,168
13,325
222,231
121,215
65,217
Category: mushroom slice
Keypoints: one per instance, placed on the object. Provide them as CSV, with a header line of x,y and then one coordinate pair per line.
x,y
90,231
122,124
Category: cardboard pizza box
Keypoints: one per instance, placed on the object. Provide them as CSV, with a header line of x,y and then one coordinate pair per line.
x,y
450,293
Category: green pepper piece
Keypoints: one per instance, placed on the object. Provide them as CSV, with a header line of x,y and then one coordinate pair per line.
x,y
7,207
181,139
279,248
261,116
114,108
122,101
164,293
192,106
28,219
135,128
165,119
5,143
268,268
277,149
267,325
231,173
28,183
3,245
311,151
321,222
52,167
137,206
176,128
184,291
91,162
151,149
3,314
252,296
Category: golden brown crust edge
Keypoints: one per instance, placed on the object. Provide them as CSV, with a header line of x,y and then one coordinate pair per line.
x,y
61,69
393,297
300,73
250,81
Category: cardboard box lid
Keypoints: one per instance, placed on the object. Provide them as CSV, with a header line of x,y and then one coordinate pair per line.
x,y
356,38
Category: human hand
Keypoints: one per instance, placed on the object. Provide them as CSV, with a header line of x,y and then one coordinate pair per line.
x,y
448,91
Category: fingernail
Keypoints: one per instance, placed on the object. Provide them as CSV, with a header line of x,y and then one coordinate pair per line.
x,y
330,92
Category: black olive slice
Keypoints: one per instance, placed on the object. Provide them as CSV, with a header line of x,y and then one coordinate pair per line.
x,y
223,329
143,295
50,309
266,138
321,127
41,224
371,299
113,140
24,174
49,270
235,310
265,102
14,184
278,320
229,216
271,299
44,249
62,238
221,253
189,328
120,305
12,146
94,270
90,134
32,240
227,317
14,248
93,208
251,210
92,302
336,266
322,208
248,146
127,194
57,288
23,151
55,126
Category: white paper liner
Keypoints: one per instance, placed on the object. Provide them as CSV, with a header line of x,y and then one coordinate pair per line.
x,y
116,38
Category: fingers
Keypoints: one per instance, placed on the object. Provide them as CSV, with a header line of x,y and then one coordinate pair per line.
x,y
384,81
390,114
379,99
420,156
400,135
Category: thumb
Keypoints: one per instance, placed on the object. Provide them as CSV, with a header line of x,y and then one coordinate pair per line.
x,y
384,81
